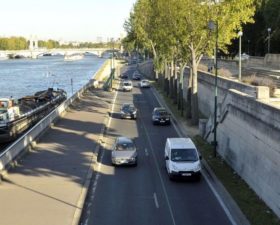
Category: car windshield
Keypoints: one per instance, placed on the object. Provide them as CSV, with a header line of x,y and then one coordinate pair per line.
x,y
127,84
125,146
128,108
179,155
161,113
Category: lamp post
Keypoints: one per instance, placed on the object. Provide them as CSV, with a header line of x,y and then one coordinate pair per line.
x,y
268,42
248,47
214,26
240,33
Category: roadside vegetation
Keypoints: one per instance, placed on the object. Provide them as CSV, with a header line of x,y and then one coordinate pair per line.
x,y
261,81
20,43
178,33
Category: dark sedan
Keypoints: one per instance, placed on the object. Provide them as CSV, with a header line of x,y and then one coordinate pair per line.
x,y
124,76
128,111
160,116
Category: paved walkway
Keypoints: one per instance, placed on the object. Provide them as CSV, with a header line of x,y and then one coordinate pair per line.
x,y
47,187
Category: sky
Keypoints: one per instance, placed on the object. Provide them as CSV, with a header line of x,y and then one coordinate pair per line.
x,y
67,20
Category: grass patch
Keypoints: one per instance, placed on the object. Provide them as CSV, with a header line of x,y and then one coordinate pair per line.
x,y
256,211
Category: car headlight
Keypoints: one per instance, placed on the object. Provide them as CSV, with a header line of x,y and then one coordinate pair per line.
x,y
167,118
197,168
134,112
174,168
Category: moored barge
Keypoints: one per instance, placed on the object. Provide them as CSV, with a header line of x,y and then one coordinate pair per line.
x,y
17,115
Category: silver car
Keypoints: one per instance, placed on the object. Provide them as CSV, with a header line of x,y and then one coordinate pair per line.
x,y
124,152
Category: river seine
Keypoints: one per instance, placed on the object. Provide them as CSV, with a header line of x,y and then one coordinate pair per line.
x,y
22,77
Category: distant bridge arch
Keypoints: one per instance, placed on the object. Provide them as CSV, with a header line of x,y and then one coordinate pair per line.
x,y
34,53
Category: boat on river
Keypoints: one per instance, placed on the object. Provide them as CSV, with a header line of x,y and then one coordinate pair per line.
x,y
73,57
18,115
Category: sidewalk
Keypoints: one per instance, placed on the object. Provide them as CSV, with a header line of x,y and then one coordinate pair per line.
x,y
48,186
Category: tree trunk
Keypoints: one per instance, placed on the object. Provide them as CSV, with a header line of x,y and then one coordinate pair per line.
x,y
157,76
175,96
189,93
194,99
181,87
179,96
166,80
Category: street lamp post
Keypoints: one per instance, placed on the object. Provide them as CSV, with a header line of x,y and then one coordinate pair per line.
x,y
240,33
268,42
215,26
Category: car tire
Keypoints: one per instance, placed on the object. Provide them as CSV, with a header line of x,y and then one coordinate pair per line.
x,y
170,176
198,178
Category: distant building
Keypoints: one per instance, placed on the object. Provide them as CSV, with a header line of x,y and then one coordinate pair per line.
x,y
99,40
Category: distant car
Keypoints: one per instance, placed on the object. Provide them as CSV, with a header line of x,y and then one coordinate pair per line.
x,y
136,75
128,110
145,84
244,56
126,85
160,116
124,152
124,76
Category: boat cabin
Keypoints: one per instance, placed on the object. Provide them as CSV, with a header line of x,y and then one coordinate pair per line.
x,y
9,109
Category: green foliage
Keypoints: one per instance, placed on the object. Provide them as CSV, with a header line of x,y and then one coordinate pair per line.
x,y
13,43
255,38
49,44
20,43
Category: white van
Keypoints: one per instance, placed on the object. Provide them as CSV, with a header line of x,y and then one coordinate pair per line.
x,y
182,158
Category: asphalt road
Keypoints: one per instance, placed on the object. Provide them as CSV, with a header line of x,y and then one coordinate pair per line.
x,y
144,195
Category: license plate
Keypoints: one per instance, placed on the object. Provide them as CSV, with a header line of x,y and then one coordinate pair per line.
x,y
186,174
162,121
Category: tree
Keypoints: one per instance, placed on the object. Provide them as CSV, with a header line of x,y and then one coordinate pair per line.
x,y
177,31
228,17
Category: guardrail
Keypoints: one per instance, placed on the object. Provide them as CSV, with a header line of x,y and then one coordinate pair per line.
x,y
15,149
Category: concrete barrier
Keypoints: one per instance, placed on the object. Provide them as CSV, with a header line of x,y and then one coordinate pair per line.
x,y
21,144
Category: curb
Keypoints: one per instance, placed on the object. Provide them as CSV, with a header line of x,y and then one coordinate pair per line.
x,y
230,207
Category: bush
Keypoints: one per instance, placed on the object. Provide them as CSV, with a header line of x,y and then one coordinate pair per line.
x,y
261,81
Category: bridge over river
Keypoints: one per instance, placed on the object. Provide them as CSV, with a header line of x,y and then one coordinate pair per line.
x,y
35,53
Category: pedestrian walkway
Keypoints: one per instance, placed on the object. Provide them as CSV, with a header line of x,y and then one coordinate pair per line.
x,y
49,184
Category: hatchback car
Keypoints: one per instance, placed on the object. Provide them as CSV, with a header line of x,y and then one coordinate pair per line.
x,y
160,116
145,84
128,111
136,75
124,152
126,85
124,76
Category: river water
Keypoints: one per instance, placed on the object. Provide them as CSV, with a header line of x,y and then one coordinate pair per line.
x,y
22,77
